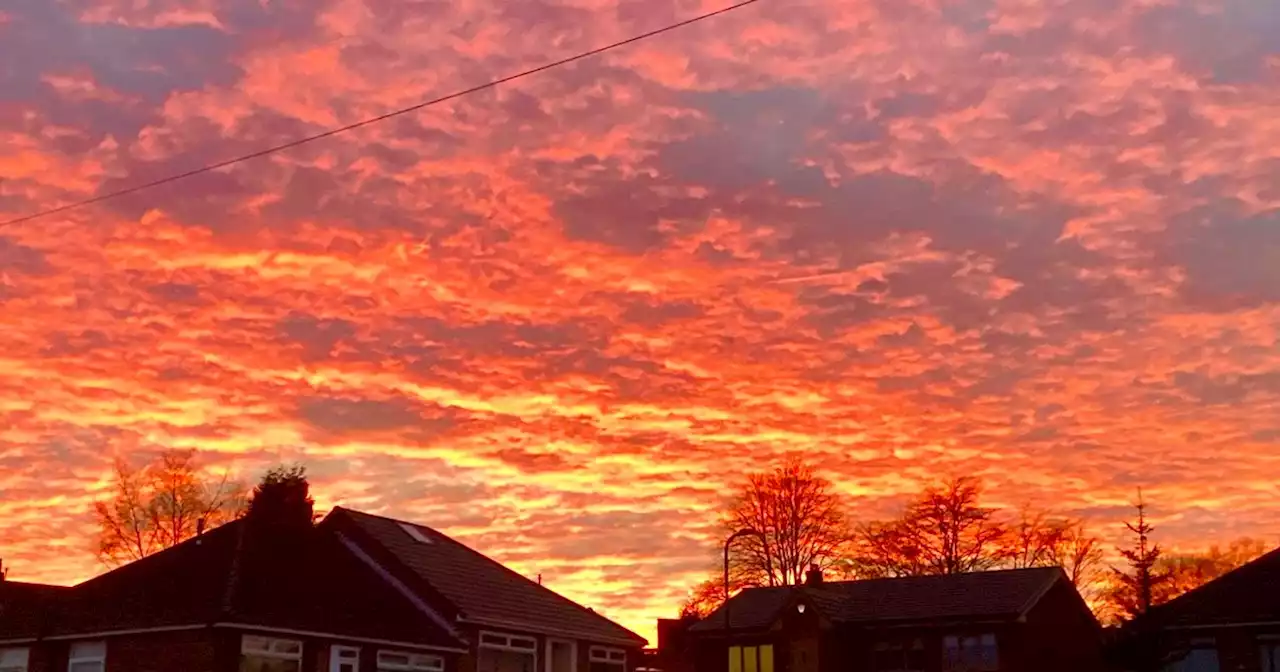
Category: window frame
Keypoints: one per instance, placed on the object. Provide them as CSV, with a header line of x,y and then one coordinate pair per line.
x,y
23,651
971,658
607,655
100,657
436,661
901,651
336,660
738,654
1199,644
510,643
1269,653
271,651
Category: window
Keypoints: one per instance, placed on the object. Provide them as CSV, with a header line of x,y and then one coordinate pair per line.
x,y
344,659
395,661
14,660
415,532
1201,657
899,656
970,654
1268,649
87,657
267,654
507,653
750,658
608,660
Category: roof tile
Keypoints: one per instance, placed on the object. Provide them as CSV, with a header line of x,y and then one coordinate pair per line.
x,y
481,589
996,594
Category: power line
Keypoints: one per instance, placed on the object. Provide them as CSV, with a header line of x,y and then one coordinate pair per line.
x,y
373,120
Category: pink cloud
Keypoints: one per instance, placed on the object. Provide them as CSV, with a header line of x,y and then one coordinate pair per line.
x,y
1029,240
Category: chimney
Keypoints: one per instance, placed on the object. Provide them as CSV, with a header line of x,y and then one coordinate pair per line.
x,y
199,526
814,576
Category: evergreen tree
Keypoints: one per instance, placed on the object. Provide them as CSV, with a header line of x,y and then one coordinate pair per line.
x,y
282,500
1135,587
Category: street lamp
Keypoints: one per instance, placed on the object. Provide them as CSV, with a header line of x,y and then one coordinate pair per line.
x,y
744,532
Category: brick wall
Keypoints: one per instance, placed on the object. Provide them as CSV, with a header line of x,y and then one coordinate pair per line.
x,y
189,651
1062,635
203,650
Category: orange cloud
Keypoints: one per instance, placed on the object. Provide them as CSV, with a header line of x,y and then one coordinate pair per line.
x,y
1031,240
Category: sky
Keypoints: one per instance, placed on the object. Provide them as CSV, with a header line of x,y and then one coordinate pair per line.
x,y
1036,241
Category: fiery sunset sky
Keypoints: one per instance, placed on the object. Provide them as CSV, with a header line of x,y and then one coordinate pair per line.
x,y
1036,240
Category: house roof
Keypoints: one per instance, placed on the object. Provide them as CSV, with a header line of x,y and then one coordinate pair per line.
x,y
978,595
1248,594
479,589
25,606
182,585
311,583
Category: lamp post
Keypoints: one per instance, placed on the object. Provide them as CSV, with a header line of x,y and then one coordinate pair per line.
x,y
744,532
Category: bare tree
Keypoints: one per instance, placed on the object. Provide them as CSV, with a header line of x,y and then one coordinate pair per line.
x,y
944,531
1031,539
888,549
1188,571
801,520
182,496
125,529
161,505
1040,539
1079,553
705,598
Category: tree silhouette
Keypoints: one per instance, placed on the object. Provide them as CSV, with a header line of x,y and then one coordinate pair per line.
x,y
162,504
1188,571
1079,553
705,598
800,518
282,500
1135,588
1040,539
945,530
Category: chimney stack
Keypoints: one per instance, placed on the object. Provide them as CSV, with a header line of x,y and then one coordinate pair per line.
x,y
814,576
199,526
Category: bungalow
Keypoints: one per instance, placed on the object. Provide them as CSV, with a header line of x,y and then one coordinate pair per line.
x,y
1028,620
1230,624
355,593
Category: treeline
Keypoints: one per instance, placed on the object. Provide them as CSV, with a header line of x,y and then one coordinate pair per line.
x,y
944,529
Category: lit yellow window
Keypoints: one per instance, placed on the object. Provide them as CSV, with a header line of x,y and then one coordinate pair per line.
x,y
735,659
750,663
766,658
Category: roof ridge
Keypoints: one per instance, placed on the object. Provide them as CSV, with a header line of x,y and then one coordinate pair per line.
x,y
499,565
917,577
162,555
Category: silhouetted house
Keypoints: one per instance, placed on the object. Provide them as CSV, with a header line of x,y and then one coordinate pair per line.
x,y
1026,620
675,641
1231,624
356,593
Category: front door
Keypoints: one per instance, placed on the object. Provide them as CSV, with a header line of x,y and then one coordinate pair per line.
x,y
562,656
804,655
